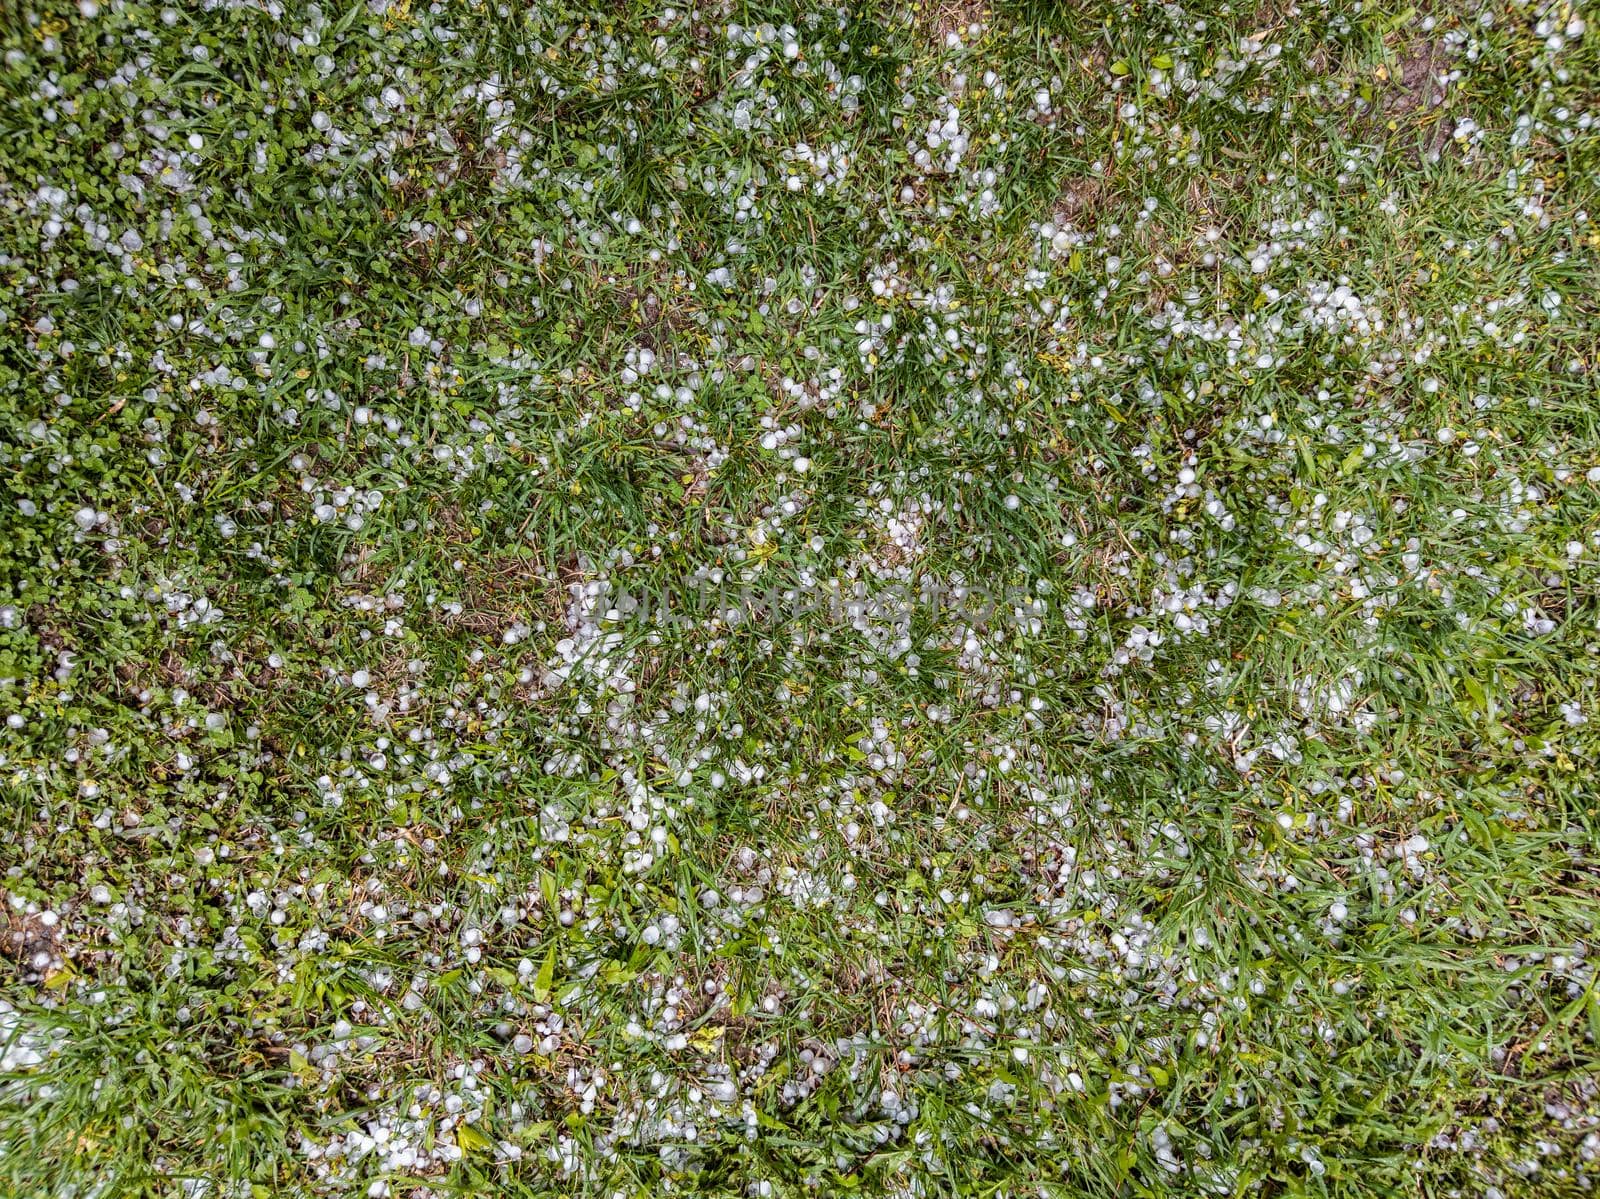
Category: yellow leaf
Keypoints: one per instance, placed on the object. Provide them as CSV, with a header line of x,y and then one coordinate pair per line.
x,y
706,1039
470,1139
546,976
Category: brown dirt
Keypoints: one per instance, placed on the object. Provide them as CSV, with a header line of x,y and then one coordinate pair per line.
x,y
943,17
1079,202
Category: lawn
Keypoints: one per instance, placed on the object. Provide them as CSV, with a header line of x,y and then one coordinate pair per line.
x,y
768,599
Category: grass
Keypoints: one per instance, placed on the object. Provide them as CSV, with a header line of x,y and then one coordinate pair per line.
x,y
756,599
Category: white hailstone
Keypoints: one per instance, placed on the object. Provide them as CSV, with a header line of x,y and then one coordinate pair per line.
x,y
267,342
86,518
196,142
1445,435
791,49
16,721
360,678
1338,912
1013,502
801,465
